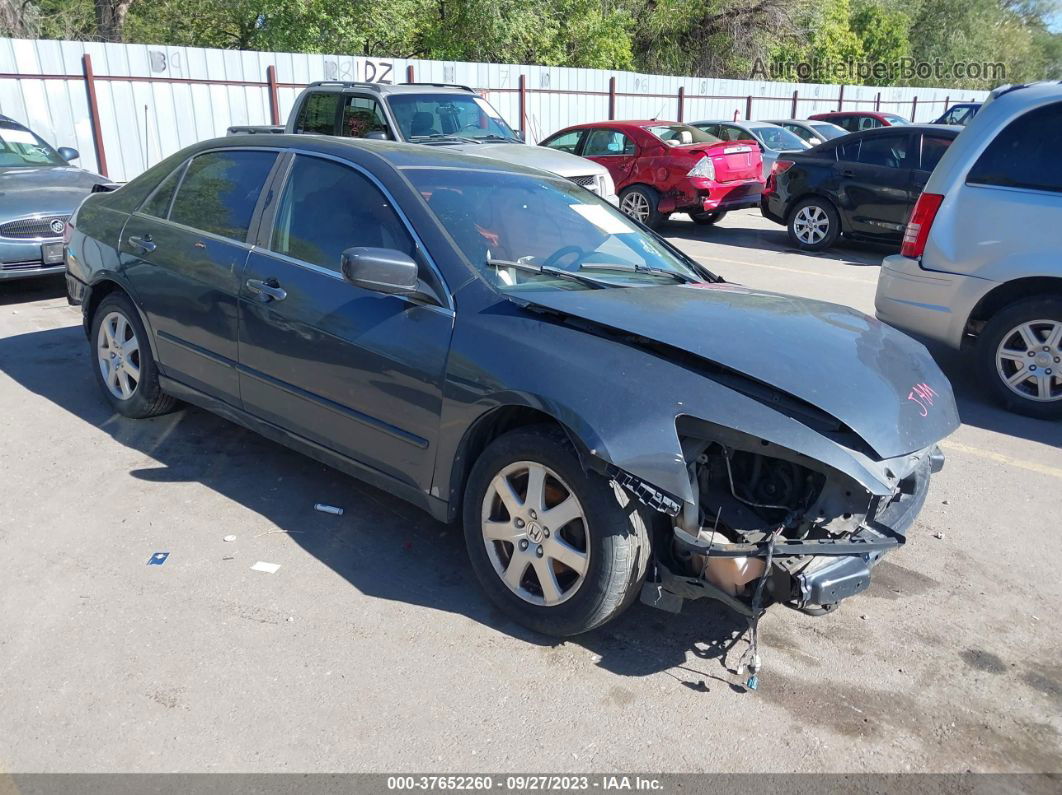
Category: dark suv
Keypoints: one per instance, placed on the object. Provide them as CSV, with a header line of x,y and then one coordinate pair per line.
x,y
495,343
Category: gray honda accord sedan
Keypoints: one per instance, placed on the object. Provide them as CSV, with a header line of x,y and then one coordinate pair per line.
x,y
495,344
39,189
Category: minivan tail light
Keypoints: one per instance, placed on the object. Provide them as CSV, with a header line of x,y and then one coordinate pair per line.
x,y
917,232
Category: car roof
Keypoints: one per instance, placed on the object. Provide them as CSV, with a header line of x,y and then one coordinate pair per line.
x,y
619,123
395,153
392,88
943,129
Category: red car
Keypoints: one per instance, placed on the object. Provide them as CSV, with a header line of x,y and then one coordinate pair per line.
x,y
856,120
664,167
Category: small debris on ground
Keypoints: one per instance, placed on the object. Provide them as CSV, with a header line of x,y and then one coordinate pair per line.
x,y
229,538
332,509
158,558
945,502
939,535
266,568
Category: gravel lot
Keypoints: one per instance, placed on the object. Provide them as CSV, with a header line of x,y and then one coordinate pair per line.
x,y
371,648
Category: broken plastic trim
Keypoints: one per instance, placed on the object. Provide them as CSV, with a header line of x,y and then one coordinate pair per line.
x,y
789,549
646,494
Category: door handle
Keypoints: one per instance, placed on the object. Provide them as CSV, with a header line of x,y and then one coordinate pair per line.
x,y
269,290
847,172
144,243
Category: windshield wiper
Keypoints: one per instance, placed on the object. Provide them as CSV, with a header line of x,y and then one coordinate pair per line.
x,y
547,270
502,138
637,269
443,138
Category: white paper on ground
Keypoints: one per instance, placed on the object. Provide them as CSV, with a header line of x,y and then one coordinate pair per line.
x,y
268,568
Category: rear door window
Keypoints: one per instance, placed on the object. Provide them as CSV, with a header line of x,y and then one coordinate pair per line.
x,y
219,191
159,203
361,116
1025,154
318,114
326,208
602,143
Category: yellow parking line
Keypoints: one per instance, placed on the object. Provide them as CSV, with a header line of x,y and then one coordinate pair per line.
x,y
709,259
999,458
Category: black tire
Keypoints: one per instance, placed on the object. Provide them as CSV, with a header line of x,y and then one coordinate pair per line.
x,y
708,219
147,398
615,532
654,218
1002,326
832,219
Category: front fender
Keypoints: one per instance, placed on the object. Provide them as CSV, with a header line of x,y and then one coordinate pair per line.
x,y
622,402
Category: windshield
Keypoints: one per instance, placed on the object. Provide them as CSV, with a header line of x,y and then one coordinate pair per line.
x,y
895,120
20,147
829,131
516,228
423,117
677,134
778,138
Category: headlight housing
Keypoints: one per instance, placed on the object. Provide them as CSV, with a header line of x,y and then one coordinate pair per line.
x,y
705,169
608,187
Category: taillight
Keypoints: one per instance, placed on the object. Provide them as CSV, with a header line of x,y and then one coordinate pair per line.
x,y
917,232
705,169
781,166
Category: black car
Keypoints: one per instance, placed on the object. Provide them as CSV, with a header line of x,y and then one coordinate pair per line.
x,y
498,344
861,185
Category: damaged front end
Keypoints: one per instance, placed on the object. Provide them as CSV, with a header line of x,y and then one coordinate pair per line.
x,y
770,525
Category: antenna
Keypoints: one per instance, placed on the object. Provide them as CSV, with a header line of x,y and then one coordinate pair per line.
x,y
656,115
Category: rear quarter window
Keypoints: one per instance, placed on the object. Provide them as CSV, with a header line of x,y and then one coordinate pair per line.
x,y
318,114
1025,154
219,191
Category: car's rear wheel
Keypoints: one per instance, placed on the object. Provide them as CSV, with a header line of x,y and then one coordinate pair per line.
x,y
707,219
640,203
814,224
1019,356
559,549
124,367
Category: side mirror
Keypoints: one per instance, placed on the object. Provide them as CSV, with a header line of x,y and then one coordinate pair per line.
x,y
68,154
521,135
377,135
382,270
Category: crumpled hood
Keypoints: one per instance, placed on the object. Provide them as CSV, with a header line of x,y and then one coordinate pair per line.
x,y
54,190
562,163
879,382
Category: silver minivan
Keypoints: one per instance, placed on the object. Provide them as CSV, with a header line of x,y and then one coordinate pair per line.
x,y
981,263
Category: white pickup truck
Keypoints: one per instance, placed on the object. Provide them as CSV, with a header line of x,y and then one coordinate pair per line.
x,y
433,114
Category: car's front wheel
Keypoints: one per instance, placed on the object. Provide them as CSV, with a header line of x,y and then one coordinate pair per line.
x,y
814,224
559,549
124,367
1019,355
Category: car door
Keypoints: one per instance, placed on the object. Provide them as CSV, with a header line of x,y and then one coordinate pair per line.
x,y
873,179
613,149
357,372
183,253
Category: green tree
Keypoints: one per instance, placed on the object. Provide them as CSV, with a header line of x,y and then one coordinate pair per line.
x,y
884,31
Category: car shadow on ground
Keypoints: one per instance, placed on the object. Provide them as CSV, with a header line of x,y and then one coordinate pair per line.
x,y
845,252
39,288
381,545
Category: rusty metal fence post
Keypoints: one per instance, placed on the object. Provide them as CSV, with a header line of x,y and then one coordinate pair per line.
x,y
914,108
840,98
523,104
748,108
611,98
681,102
274,96
793,113
409,74
94,114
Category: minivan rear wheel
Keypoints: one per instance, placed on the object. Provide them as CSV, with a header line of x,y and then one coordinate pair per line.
x,y
559,549
1019,357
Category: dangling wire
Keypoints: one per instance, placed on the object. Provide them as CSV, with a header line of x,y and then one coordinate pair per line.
x,y
751,656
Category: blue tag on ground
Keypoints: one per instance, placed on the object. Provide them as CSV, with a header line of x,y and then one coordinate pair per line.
x,y
158,558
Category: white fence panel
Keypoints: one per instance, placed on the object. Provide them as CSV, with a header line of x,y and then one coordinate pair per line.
x,y
152,100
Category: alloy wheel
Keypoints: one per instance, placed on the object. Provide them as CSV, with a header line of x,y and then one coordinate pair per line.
x,y
535,533
811,224
636,206
118,354
1029,360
